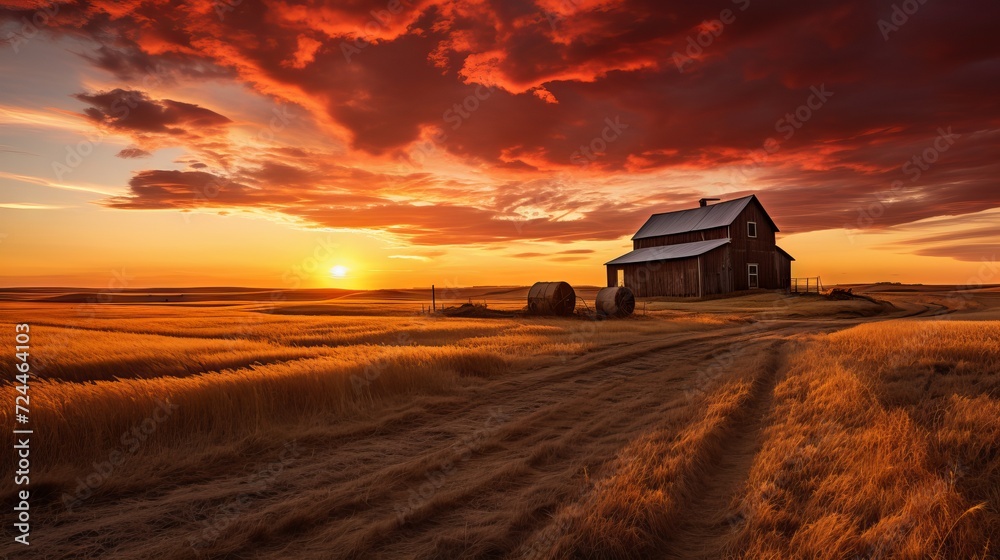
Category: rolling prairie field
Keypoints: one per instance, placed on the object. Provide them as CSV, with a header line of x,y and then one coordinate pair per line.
x,y
352,425
533,280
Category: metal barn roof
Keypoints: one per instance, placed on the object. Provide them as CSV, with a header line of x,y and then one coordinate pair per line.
x,y
670,252
695,219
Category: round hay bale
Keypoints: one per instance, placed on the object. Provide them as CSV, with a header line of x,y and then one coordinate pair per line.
x,y
617,301
551,298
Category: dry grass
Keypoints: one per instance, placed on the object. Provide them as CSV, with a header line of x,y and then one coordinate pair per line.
x,y
883,443
73,354
767,304
635,512
879,441
232,372
103,355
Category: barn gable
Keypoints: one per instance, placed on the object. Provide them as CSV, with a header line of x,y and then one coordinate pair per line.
x,y
712,249
698,219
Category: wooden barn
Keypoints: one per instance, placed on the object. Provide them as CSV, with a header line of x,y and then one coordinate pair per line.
x,y
709,250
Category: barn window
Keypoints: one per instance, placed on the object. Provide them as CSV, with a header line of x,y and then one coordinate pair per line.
x,y
753,275
751,229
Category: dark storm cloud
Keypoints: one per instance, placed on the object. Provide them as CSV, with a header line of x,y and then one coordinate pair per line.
x,y
519,88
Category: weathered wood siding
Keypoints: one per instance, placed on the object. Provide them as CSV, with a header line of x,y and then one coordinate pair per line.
x,y
678,278
760,250
678,238
716,271
722,270
784,270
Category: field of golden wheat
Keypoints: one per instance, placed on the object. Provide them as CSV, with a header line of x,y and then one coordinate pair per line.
x,y
233,371
758,427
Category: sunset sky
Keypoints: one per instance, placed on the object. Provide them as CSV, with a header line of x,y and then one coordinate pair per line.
x,y
262,142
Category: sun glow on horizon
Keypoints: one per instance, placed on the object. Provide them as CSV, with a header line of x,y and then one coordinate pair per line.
x,y
338,271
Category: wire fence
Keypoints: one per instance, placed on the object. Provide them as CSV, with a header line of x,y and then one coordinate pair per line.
x,y
806,285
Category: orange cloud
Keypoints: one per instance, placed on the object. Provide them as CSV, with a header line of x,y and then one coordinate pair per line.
x,y
562,69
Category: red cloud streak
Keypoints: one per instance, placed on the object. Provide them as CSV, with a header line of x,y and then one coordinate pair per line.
x,y
524,91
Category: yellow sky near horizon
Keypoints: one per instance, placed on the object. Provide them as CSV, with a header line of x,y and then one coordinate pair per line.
x,y
128,208
206,249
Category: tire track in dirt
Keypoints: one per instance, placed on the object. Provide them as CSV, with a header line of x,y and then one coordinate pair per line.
x,y
473,486
340,499
346,451
575,417
711,518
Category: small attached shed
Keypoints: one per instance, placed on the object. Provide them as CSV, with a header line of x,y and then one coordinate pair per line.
x,y
709,250
687,270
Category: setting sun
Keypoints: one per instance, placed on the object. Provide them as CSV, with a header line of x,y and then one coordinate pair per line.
x,y
548,279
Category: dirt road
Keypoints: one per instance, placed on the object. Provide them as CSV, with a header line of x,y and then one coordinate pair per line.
x,y
478,472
